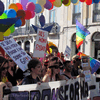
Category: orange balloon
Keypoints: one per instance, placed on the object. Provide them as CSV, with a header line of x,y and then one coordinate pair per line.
x,y
13,6
23,21
19,6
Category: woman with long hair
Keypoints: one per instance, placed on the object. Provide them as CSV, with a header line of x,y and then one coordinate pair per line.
x,y
52,71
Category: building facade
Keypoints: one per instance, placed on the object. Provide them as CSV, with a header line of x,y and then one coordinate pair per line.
x,y
64,29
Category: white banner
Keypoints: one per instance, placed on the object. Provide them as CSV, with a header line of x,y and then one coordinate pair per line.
x,y
41,42
76,89
20,57
67,52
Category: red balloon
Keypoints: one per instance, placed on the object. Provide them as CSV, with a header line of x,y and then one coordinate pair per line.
x,y
88,2
82,0
19,6
23,21
51,7
52,0
28,14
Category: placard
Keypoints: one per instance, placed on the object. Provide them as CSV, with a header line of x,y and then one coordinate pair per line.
x,y
67,52
41,42
18,55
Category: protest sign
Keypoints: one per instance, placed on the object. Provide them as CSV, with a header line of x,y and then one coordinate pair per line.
x,y
67,52
75,89
20,57
7,37
41,41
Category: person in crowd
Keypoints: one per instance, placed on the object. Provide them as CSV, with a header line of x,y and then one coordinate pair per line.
x,y
4,82
52,70
11,72
68,68
76,66
34,66
62,57
98,71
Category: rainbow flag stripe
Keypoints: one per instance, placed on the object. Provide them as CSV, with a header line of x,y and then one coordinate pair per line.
x,y
94,64
81,33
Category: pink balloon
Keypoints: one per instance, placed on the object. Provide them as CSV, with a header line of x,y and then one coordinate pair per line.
x,y
33,14
30,6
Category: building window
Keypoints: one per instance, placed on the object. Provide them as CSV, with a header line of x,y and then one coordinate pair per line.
x,y
52,15
37,23
8,2
73,46
27,46
27,24
96,12
14,1
19,43
77,13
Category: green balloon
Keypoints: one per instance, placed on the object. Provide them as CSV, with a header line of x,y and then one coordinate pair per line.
x,y
3,16
12,28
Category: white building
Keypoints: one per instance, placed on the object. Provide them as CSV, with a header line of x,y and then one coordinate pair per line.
x,y
65,18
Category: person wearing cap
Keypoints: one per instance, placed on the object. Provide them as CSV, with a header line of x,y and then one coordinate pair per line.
x,y
52,70
76,65
68,68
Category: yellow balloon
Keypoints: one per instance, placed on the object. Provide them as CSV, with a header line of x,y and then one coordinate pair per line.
x,y
13,6
42,2
76,3
68,3
42,9
57,3
7,33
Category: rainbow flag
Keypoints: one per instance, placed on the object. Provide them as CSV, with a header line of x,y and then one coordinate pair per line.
x,y
81,33
94,64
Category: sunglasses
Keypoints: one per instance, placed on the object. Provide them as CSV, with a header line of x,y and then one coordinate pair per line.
x,y
70,66
11,60
4,68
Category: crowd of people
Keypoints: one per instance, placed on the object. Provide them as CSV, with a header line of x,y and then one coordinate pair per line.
x,y
52,68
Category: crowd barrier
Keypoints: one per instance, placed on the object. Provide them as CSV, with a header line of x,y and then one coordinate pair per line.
x,y
76,89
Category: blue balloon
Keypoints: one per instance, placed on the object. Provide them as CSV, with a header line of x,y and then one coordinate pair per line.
x,y
18,23
96,1
5,11
74,1
38,8
11,13
42,20
1,8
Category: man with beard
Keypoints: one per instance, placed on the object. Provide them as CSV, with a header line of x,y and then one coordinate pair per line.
x,y
68,68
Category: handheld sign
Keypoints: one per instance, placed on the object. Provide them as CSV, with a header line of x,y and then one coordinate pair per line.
x,y
18,55
86,68
41,41
67,52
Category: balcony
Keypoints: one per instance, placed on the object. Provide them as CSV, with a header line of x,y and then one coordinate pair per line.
x,y
76,16
96,16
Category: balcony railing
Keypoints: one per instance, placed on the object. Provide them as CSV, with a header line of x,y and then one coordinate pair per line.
x,y
96,16
76,16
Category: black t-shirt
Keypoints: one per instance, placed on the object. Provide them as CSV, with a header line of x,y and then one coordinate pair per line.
x,y
12,79
98,71
30,80
75,71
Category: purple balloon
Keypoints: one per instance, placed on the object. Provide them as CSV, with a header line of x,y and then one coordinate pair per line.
x,y
48,4
24,3
42,20
1,8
